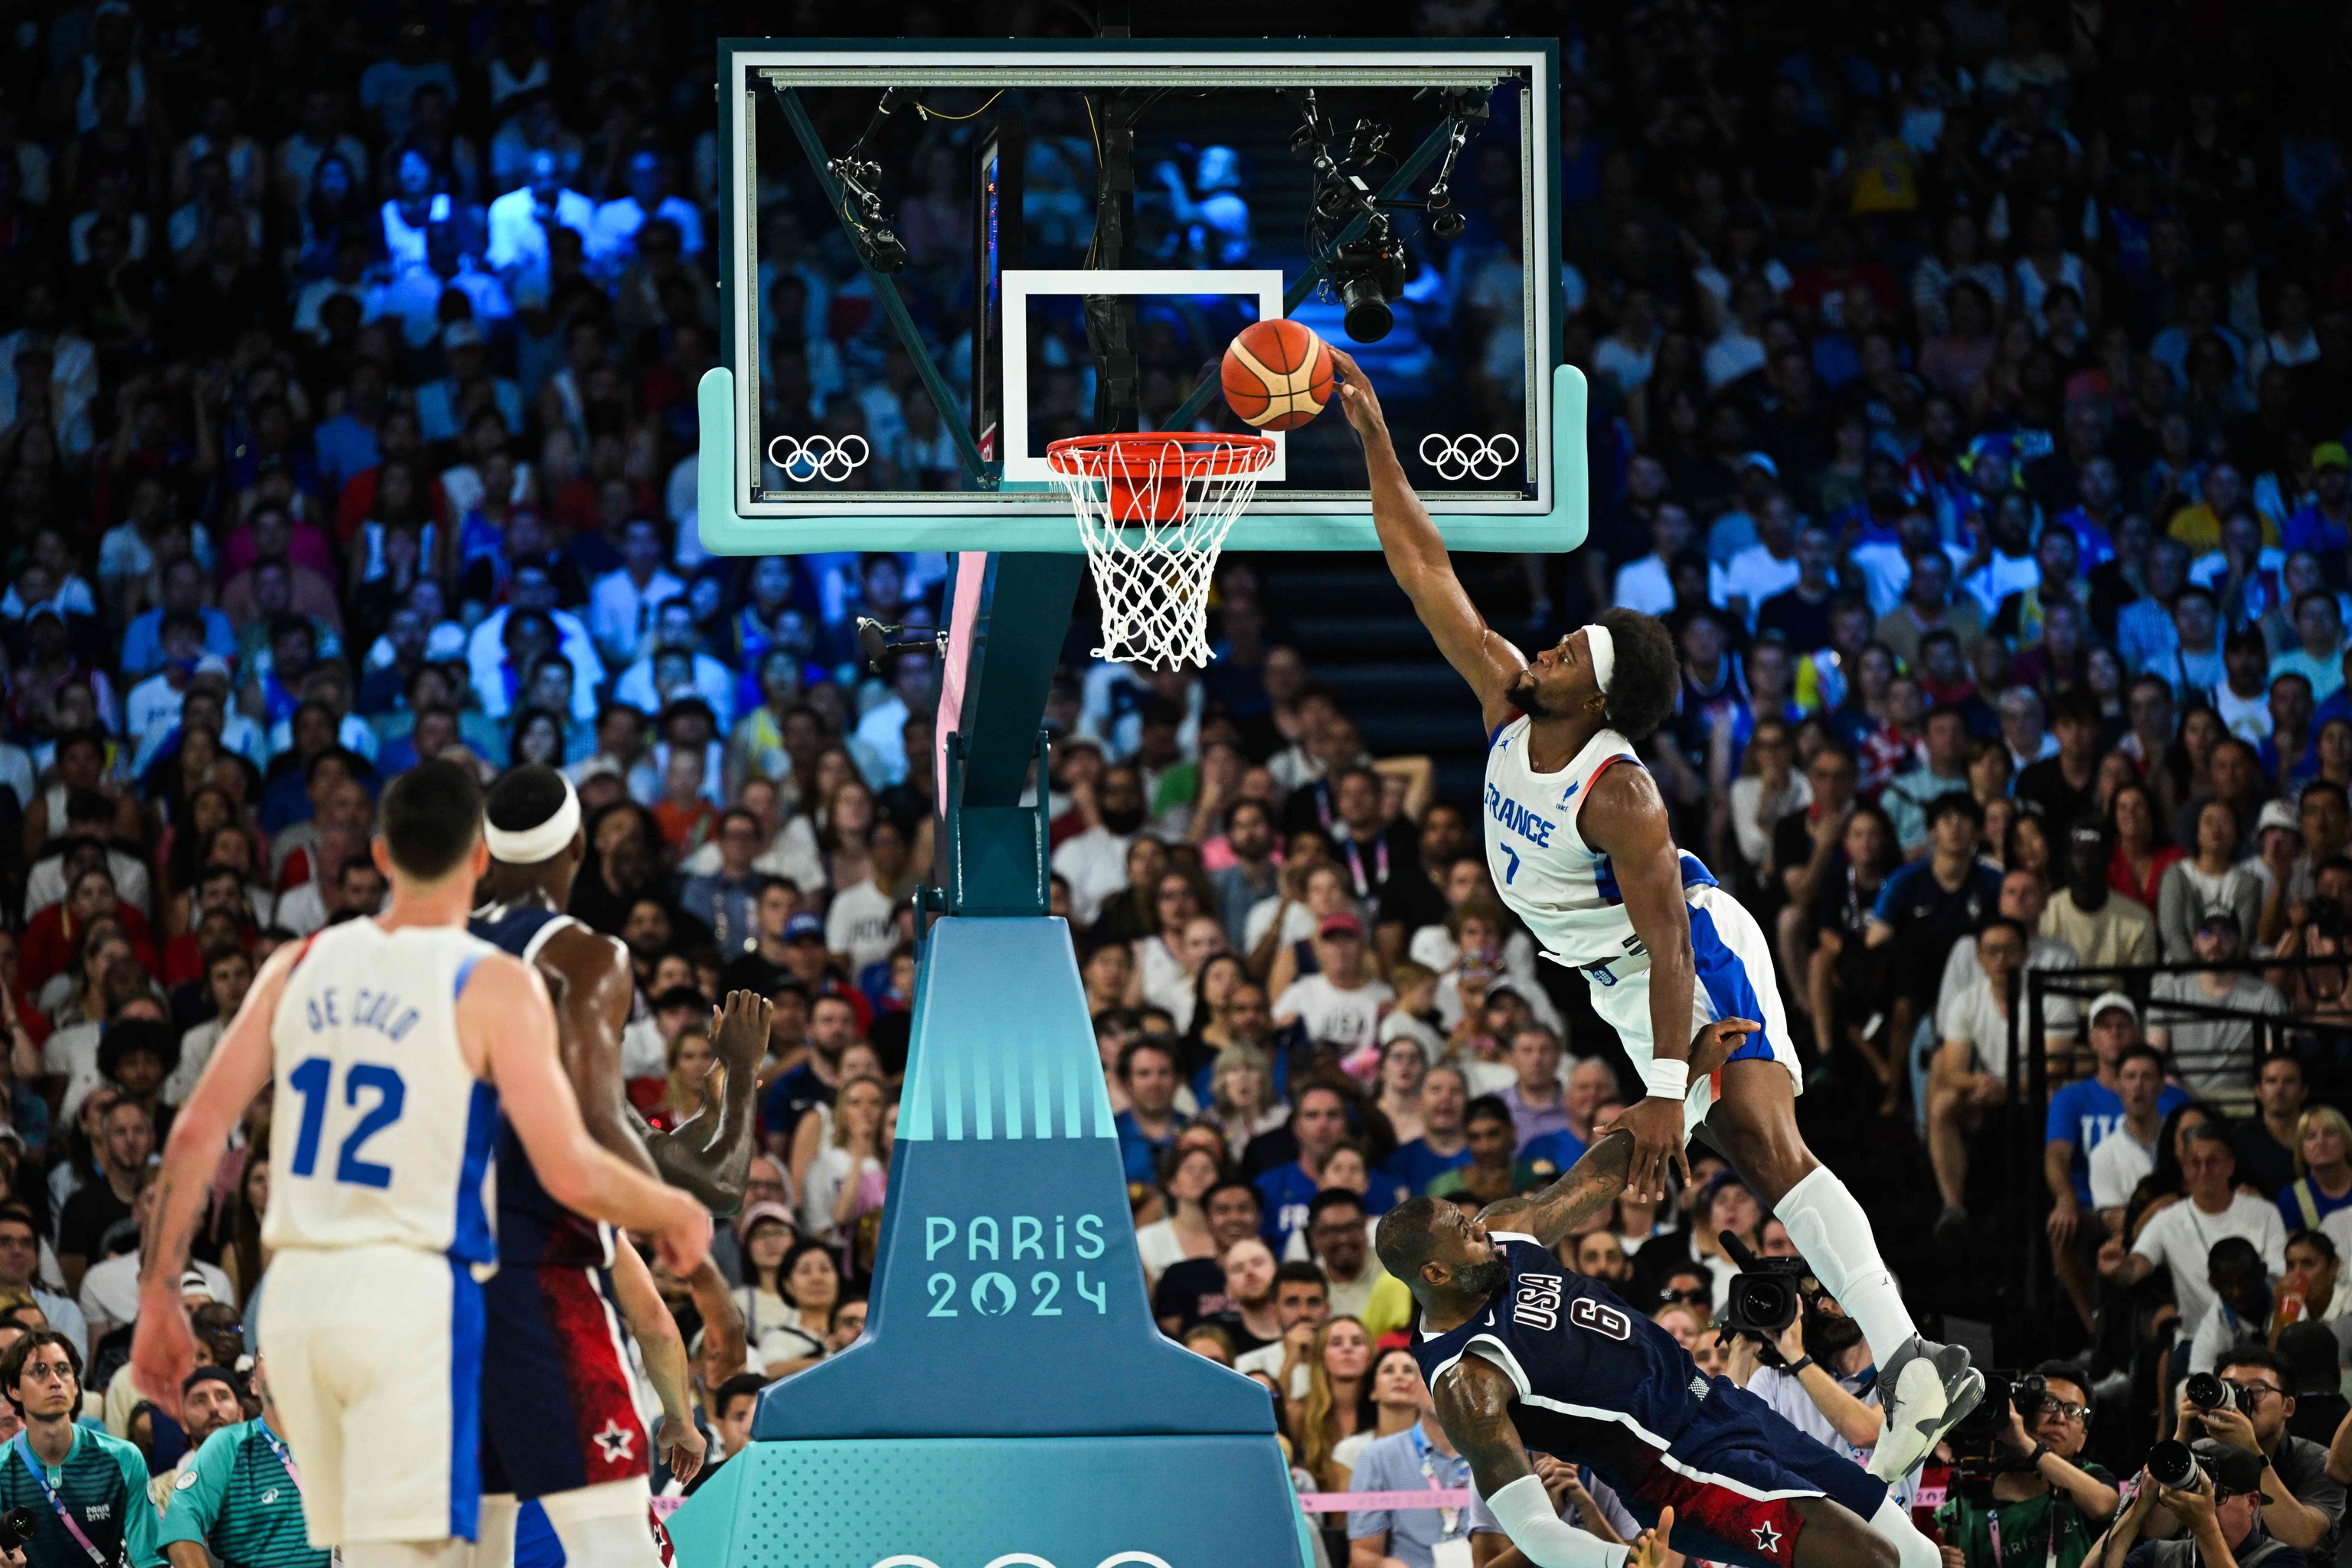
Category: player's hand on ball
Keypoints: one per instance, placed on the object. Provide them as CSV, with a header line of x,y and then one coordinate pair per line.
x,y
1650,1547
1714,1043
683,1445
1356,394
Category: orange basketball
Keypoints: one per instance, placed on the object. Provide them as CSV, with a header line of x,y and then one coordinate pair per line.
x,y
1278,375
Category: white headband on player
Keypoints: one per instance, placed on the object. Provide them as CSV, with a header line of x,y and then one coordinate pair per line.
x,y
1604,644
529,845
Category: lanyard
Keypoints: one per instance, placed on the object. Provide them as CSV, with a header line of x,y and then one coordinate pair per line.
x,y
1380,866
33,1465
279,1448
2050,1547
1447,1518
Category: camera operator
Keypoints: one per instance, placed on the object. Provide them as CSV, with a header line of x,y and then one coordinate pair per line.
x,y
2301,1504
2040,1501
1817,1373
2222,1512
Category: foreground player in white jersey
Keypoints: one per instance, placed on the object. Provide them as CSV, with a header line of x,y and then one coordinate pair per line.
x,y
1581,850
394,1042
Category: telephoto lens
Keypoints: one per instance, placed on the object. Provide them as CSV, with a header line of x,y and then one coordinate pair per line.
x,y
2206,1391
2172,1465
17,1527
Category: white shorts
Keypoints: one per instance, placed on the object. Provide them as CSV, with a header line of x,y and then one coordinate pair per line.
x,y
1734,980
604,1526
375,1365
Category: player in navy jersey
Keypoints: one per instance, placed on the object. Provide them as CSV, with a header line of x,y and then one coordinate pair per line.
x,y
565,1456
1581,849
1522,1354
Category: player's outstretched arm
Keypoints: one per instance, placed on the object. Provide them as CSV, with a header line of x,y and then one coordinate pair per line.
x,y
162,1349
1553,1214
1474,1404
1416,555
505,1007
709,1155
591,1007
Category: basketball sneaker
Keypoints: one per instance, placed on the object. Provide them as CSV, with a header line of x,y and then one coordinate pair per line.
x,y
1926,1389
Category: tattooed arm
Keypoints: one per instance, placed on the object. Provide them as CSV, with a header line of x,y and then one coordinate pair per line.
x,y
1473,1403
1588,1186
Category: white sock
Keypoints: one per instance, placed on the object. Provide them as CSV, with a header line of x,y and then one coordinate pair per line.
x,y
1912,1549
1832,1233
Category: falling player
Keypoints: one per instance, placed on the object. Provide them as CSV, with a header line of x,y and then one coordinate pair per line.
x,y
395,1043
1519,1350
564,1455
1580,850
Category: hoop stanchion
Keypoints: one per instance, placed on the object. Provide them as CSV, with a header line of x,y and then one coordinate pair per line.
x,y
1153,509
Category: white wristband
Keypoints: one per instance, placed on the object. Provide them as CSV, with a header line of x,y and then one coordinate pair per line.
x,y
1667,1079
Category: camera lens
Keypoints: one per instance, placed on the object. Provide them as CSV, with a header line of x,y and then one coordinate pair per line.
x,y
2172,1465
1447,224
1368,318
17,1527
2206,1391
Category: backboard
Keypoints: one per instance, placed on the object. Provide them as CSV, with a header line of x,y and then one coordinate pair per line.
x,y
941,256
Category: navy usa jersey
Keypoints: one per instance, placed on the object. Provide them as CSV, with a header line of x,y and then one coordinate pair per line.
x,y
533,1228
1597,1382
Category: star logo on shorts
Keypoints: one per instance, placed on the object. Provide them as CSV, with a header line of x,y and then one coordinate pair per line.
x,y
617,1442
1767,1540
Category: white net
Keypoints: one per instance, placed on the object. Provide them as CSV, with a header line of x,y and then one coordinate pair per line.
x,y
1153,511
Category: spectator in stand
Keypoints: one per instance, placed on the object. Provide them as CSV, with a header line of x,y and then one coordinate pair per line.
x,y
2178,1238
2211,1030
1147,1127
2323,1166
2127,1156
1928,905
2104,927
2269,1142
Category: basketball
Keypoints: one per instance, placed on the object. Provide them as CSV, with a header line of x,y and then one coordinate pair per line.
x,y
1278,375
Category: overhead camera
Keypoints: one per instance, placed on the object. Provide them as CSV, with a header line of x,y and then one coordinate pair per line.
x,y
1367,269
861,211
1369,275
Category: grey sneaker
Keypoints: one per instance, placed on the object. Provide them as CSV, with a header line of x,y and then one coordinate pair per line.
x,y
1926,1389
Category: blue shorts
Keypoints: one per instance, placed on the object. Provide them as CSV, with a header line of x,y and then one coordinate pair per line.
x,y
558,1407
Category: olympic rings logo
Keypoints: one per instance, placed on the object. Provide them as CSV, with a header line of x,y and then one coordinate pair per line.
x,y
1469,457
1029,1560
819,457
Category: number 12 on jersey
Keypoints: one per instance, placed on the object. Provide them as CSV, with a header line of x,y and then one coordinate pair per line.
x,y
313,1079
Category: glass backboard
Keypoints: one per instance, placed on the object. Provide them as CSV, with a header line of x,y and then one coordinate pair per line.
x,y
905,323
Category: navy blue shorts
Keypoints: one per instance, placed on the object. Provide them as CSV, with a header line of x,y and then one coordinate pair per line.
x,y
1734,1477
559,1409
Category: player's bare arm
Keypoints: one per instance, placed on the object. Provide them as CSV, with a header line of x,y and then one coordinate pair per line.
x,y
663,1348
1552,1214
163,1348
1416,553
1474,1404
709,1154
505,1005
1625,819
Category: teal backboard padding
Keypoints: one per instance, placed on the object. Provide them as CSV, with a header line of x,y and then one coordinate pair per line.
x,y
1046,523
1105,1502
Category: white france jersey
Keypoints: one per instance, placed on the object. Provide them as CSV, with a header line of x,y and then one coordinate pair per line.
x,y
1565,890
382,1135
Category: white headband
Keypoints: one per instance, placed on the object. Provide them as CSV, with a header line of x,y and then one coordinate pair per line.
x,y
1604,644
529,845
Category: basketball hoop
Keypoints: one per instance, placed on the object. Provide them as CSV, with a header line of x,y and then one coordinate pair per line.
x,y
1154,508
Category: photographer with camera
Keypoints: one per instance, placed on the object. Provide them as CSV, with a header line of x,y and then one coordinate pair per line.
x,y
1814,1368
2019,1492
2219,1505
2247,1406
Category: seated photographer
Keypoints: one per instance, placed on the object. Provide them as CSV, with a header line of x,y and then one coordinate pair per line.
x,y
2220,1508
1815,1369
2247,1406
2036,1501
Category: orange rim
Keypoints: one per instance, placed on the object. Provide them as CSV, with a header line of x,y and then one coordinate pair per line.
x,y
1226,454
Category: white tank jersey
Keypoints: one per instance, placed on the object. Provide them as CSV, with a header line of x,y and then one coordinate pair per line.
x,y
1565,890
382,1135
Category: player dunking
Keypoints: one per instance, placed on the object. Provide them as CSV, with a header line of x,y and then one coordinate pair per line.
x,y
395,1043
1519,1352
564,1457
1580,850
